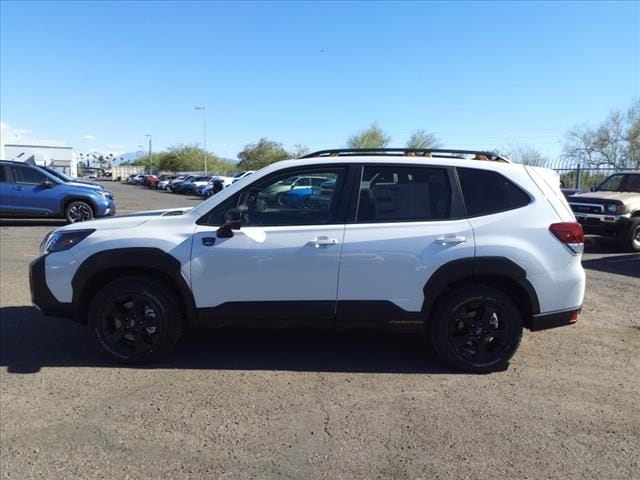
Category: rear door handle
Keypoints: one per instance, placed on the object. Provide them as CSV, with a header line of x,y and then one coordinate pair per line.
x,y
323,242
18,188
451,240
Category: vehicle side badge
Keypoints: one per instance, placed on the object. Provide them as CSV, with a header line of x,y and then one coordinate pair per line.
x,y
208,241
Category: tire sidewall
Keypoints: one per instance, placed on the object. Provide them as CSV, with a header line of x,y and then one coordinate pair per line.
x,y
161,297
440,322
78,202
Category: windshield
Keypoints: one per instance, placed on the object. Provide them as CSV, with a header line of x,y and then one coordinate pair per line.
x,y
239,174
621,183
58,174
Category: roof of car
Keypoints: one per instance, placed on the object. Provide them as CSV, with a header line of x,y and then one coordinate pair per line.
x,y
409,152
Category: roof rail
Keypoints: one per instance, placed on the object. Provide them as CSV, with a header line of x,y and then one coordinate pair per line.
x,y
408,152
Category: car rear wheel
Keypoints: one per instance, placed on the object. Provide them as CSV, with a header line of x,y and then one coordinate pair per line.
x,y
135,320
476,329
632,239
78,211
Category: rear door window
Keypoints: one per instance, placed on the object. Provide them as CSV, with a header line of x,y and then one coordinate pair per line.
x,y
488,192
403,194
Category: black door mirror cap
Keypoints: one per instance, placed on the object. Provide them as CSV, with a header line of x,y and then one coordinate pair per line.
x,y
47,183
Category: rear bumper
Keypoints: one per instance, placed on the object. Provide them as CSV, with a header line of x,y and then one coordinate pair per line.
x,y
544,321
41,296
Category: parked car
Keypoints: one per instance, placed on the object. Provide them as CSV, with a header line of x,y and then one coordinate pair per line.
x,y
163,181
173,184
30,191
567,192
189,186
612,209
70,180
240,175
214,186
138,179
151,180
465,252
273,195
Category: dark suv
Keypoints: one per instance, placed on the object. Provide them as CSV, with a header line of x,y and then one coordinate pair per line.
x,y
30,191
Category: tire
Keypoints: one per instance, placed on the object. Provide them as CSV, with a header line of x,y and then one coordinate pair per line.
x,y
476,329
631,238
135,320
280,200
78,211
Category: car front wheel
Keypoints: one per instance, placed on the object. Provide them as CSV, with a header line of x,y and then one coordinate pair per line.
x,y
78,211
135,320
631,241
476,329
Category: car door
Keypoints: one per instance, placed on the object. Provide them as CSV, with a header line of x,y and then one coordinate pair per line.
x,y
6,194
408,223
283,262
29,196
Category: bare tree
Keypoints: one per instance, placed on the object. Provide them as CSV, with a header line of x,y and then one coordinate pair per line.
x,y
615,143
526,155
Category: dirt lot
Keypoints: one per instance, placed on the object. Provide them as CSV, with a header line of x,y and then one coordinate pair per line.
x,y
238,405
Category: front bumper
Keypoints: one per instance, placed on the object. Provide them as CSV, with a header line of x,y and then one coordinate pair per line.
x,y
561,318
41,296
603,224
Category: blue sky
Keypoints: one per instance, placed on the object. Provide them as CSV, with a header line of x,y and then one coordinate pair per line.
x,y
478,75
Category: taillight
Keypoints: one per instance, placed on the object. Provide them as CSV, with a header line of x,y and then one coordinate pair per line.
x,y
569,233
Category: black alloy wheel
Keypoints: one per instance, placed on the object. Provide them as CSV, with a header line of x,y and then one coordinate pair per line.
x,y
476,329
135,319
78,211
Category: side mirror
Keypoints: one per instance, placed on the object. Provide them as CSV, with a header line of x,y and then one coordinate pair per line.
x,y
594,188
46,183
232,221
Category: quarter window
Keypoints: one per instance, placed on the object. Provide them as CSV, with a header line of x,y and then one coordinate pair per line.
x,y
403,194
488,192
28,175
285,200
3,174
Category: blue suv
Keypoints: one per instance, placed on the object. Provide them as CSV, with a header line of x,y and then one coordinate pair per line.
x,y
30,191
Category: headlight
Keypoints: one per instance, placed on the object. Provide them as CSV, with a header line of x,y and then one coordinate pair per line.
x,y
59,241
106,194
611,208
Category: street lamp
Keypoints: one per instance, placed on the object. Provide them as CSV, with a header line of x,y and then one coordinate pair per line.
x,y
150,161
204,117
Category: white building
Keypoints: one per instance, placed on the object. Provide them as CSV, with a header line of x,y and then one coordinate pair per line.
x,y
62,159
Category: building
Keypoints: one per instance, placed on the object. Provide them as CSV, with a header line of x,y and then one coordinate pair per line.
x,y
60,158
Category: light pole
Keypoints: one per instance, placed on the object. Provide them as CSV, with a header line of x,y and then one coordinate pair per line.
x,y
204,118
150,161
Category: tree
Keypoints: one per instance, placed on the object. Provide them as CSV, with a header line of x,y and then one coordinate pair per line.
x,y
257,155
298,151
422,139
526,155
614,143
372,137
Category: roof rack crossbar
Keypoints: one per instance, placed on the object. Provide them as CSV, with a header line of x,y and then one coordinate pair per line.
x,y
437,152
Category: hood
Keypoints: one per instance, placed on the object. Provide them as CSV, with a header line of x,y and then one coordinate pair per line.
x,y
124,221
77,183
624,197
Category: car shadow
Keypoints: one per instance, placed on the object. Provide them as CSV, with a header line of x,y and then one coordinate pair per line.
x,y
30,341
31,222
595,244
628,265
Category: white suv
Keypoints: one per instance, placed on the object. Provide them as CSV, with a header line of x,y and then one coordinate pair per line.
x,y
463,246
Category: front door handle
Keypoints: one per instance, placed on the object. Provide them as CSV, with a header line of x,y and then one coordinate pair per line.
x,y
319,242
19,188
451,240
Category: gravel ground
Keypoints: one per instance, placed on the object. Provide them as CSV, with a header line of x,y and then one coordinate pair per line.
x,y
316,405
